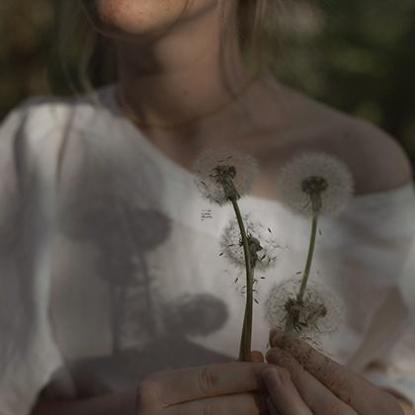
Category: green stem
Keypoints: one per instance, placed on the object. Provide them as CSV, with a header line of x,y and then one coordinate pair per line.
x,y
246,338
311,247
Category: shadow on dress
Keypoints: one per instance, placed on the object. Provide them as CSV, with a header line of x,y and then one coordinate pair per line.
x,y
122,221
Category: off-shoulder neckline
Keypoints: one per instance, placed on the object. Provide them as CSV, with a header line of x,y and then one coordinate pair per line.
x,y
182,176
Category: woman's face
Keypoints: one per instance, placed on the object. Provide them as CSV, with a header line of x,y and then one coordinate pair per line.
x,y
144,17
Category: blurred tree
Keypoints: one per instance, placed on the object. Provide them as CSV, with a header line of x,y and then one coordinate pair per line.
x,y
358,58
26,33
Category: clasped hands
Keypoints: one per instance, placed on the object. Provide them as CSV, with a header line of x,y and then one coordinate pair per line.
x,y
297,380
305,382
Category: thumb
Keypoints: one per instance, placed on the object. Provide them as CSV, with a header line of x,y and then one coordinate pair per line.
x,y
257,357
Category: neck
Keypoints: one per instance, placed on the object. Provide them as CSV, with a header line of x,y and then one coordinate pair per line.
x,y
185,74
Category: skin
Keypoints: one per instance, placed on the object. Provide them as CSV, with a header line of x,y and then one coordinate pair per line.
x,y
233,387
166,79
305,382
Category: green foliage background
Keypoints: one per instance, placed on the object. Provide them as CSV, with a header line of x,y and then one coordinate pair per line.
x,y
356,55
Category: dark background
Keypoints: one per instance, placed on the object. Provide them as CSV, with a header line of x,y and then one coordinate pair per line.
x,y
356,55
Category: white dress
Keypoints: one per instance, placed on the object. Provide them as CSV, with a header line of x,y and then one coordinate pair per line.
x,y
110,265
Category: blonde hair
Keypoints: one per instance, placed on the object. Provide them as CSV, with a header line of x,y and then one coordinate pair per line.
x,y
81,48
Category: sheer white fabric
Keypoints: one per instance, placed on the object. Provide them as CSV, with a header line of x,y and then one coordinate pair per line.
x,y
28,353
113,271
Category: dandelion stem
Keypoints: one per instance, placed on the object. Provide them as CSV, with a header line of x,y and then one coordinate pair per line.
x,y
246,338
293,313
311,247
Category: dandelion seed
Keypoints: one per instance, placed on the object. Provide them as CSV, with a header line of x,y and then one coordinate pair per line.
x,y
319,313
263,246
315,182
223,173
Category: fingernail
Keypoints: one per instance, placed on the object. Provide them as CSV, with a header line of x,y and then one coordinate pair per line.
x,y
257,357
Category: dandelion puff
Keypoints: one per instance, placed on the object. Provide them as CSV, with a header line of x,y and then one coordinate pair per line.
x,y
262,243
215,167
320,313
312,173
238,282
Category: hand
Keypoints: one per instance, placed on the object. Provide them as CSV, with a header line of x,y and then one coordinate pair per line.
x,y
309,383
219,389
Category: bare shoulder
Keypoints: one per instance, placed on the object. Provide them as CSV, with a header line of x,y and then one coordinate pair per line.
x,y
376,159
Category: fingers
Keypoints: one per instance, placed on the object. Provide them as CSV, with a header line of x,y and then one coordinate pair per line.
x,y
316,396
242,404
283,393
169,388
257,357
353,390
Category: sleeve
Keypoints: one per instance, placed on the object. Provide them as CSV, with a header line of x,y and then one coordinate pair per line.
x,y
28,353
403,354
393,367
387,354
407,282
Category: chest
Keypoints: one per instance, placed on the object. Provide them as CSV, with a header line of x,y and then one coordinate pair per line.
x,y
138,266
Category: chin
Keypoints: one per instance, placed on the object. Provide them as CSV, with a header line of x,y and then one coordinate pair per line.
x,y
134,17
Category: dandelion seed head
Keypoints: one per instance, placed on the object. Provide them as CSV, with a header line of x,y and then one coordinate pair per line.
x,y
321,311
215,167
315,181
262,244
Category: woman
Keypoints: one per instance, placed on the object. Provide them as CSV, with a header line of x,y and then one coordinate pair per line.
x,y
110,254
